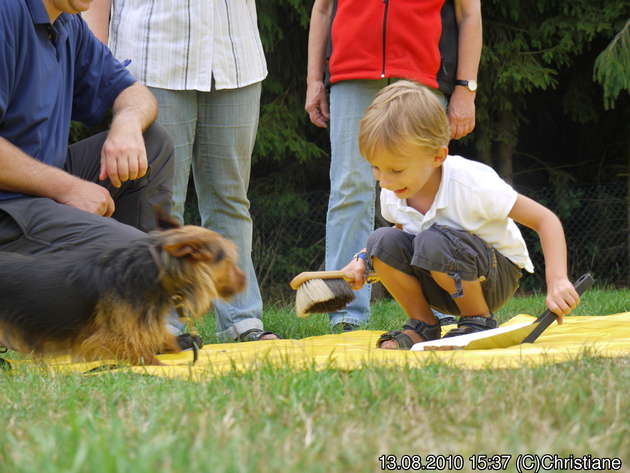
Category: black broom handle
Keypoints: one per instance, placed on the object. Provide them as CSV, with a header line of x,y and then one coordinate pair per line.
x,y
581,285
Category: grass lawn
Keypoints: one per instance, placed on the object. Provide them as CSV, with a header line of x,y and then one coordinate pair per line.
x,y
279,420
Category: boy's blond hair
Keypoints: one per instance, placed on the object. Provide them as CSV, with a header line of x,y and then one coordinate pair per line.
x,y
403,113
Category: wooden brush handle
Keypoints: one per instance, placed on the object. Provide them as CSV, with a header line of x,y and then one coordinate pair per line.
x,y
301,278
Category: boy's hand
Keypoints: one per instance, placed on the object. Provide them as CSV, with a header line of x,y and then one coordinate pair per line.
x,y
562,298
355,269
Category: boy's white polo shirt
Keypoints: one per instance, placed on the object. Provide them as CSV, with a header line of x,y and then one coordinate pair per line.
x,y
471,197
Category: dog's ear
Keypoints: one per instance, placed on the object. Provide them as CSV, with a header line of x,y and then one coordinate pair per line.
x,y
197,249
164,220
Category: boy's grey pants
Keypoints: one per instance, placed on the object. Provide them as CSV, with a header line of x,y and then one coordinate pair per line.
x,y
458,253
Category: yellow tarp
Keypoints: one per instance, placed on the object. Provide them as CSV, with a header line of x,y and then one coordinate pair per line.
x,y
605,336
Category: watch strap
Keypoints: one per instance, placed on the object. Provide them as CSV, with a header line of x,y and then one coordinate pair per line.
x,y
469,84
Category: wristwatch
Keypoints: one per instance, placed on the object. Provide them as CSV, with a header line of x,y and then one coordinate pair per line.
x,y
362,255
366,259
469,84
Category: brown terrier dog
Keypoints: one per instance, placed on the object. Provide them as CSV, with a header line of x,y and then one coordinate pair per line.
x,y
113,303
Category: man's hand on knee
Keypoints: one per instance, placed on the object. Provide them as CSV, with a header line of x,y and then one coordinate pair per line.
x,y
87,196
124,155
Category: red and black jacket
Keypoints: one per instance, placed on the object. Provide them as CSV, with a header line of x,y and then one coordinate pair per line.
x,y
408,39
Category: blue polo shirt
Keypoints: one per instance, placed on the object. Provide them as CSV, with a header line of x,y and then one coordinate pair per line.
x,y
51,74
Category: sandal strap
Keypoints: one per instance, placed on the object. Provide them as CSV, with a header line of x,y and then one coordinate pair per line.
x,y
472,324
404,341
254,334
478,322
426,331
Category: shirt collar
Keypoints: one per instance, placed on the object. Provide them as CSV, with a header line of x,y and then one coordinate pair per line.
x,y
38,11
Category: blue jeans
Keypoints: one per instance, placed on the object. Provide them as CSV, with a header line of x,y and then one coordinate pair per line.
x,y
350,218
214,134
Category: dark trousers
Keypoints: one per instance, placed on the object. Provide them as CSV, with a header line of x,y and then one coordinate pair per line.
x,y
38,225
458,253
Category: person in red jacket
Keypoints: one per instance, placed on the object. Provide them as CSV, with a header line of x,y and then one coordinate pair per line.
x,y
357,47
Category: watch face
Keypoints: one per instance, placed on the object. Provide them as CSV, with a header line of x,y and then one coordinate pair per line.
x,y
472,85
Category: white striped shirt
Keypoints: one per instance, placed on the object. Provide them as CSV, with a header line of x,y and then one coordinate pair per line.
x,y
183,44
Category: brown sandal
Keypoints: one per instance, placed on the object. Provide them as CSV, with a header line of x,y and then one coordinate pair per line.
x,y
424,330
472,324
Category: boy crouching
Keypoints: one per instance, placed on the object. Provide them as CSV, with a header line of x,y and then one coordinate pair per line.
x,y
454,245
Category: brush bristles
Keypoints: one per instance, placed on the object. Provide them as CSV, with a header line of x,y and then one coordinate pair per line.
x,y
322,295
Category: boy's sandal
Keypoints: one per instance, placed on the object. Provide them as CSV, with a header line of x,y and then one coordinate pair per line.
x,y
447,320
254,335
472,324
426,331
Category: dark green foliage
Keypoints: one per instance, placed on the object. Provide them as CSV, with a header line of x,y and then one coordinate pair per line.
x,y
612,67
528,48
281,133
285,134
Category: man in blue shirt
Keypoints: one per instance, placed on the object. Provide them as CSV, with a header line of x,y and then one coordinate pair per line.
x,y
54,198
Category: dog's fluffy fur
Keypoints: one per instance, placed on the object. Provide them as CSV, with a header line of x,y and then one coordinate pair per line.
x,y
113,303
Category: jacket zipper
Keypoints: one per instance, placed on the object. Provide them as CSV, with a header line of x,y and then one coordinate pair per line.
x,y
386,2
